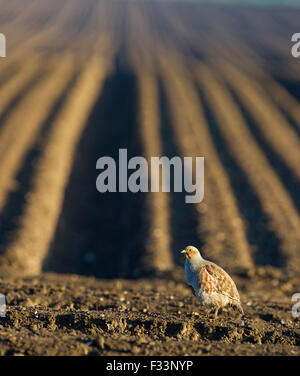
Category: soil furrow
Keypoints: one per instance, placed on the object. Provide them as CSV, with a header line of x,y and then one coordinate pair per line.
x,y
224,236
184,219
274,199
158,252
92,232
85,272
18,87
13,208
27,127
267,117
41,210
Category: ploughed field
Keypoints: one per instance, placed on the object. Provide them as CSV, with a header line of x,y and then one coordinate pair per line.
x,y
91,273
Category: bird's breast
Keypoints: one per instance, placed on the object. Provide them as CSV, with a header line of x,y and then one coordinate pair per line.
x,y
190,275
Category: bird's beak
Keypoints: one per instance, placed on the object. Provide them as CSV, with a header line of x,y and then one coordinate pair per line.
x,y
184,251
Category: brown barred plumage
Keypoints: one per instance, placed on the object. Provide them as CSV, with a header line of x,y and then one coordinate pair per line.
x,y
212,286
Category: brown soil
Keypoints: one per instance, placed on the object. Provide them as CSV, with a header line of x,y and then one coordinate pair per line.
x,y
86,273
72,315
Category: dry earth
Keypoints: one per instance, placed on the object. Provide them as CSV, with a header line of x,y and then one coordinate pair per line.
x,y
72,315
86,273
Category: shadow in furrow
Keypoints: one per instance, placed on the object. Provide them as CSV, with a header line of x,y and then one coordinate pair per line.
x,y
184,217
287,178
292,86
264,241
102,234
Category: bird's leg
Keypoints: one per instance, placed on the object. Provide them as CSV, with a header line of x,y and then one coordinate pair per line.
x,y
209,311
216,311
193,291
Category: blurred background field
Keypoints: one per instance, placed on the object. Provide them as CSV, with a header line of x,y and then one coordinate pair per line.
x,y
83,79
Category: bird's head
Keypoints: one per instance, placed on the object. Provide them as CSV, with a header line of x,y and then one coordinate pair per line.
x,y
191,253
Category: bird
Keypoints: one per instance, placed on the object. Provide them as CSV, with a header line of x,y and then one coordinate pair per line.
x,y
210,284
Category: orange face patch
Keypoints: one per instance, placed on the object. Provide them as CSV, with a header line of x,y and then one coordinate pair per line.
x,y
190,252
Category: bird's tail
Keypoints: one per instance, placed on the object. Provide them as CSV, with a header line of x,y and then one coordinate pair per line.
x,y
240,308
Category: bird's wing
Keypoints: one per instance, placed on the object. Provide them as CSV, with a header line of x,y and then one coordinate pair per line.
x,y
212,278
